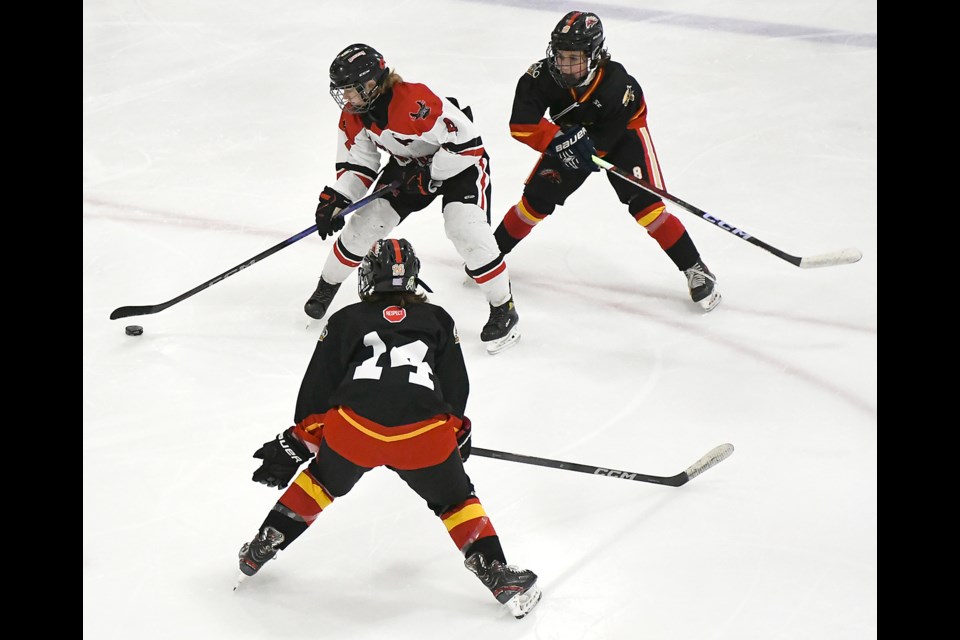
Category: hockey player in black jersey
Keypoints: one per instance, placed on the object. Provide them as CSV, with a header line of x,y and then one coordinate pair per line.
x,y
597,108
386,386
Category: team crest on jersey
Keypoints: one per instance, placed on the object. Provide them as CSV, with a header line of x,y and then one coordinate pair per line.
x,y
422,113
628,96
456,336
394,314
550,174
323,334
534,70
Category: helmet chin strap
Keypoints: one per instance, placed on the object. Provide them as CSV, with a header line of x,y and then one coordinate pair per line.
x,y
589,78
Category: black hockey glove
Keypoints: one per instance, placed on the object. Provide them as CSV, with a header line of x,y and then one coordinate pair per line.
x,y
282,457
464,438
574,148
331,202
416,180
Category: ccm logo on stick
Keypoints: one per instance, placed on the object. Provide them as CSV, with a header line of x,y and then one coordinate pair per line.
x,y
613,473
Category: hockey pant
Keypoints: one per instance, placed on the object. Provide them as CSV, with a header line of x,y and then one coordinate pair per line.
x,y
424,454
466,218
551,183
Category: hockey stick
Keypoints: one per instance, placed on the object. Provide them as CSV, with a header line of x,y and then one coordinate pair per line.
x,y
126,312
711,459
833,258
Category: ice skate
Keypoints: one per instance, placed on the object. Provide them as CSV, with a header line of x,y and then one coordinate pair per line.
x,y
260,550
502,329
513,587
320,301
703,286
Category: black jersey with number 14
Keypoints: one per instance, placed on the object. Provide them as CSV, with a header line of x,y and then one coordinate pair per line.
x,y
394,365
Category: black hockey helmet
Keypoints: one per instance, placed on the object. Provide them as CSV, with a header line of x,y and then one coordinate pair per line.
x,y
577,31
352,69
390,265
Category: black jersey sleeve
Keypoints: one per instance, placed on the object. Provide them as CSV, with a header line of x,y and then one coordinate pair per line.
x,y
451,368
530,101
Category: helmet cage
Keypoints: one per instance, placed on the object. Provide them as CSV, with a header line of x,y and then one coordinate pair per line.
x,y
352,70
576,32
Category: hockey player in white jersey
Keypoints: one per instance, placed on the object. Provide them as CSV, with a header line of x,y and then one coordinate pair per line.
x,y
434,150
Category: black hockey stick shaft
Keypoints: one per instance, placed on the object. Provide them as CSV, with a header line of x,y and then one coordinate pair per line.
x,y
833,258
711,459
126,312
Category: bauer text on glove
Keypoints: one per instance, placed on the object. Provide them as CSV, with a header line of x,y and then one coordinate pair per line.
x,y
282,457
574,148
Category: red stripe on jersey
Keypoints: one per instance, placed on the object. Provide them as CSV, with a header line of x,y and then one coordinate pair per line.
x,y
351,125
366,180
537,136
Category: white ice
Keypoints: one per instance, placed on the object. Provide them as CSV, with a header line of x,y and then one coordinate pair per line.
x,y
208,133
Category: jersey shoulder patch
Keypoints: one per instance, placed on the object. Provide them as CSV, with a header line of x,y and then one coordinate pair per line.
x,y
414,108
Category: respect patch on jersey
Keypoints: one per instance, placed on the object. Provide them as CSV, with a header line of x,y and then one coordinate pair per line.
x,y
394,314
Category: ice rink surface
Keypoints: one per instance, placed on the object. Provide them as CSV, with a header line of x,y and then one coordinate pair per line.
x,y
208,132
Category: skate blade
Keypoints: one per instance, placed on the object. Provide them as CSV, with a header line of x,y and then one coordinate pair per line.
x,y
496,346
522,604
711,301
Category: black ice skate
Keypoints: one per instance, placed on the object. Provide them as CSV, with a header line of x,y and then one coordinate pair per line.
x,y
318,303
516,588
703,286
502,329
260,550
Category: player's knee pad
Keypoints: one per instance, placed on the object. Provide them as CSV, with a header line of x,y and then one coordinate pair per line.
x,y
365,227
466,227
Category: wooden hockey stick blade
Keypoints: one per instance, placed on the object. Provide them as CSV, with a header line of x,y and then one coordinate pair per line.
x,y
709,460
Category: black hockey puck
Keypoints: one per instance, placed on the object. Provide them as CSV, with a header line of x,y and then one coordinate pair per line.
x,y
134,330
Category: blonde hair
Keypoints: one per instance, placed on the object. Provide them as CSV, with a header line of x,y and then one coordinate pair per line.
x,y
391,80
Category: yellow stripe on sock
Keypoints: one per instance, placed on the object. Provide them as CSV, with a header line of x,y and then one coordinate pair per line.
x,y
650,217
467,513
313,490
